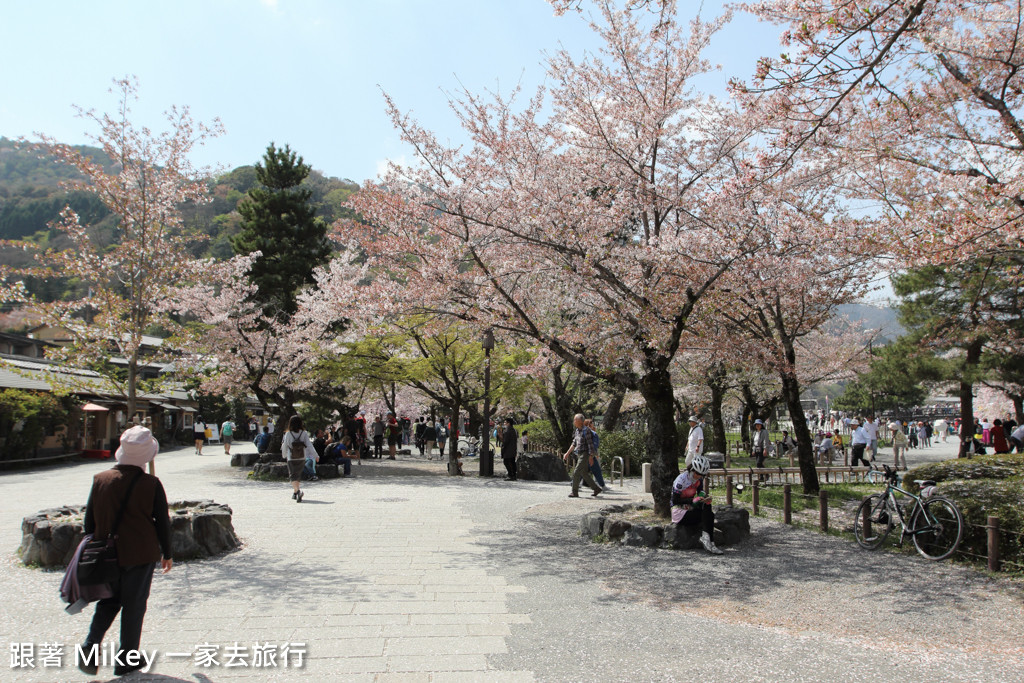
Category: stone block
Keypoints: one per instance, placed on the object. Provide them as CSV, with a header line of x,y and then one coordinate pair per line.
x,y
592,524
541,467
616,529
327,471
680,537
643,536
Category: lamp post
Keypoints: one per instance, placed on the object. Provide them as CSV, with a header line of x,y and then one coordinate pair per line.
x,y
486,457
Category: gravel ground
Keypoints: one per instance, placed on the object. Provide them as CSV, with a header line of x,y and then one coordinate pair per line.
x,y
789,603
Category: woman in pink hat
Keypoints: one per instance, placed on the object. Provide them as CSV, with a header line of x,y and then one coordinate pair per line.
x,y
143,538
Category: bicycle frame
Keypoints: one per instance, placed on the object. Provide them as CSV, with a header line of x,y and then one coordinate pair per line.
x,y
894,506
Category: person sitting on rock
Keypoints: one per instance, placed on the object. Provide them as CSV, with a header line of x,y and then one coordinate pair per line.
x,y
262,441
691,505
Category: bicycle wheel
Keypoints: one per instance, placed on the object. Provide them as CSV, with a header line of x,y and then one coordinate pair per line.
x,y
937,528
876,510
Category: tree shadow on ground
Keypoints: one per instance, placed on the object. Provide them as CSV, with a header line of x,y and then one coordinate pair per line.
x,y
775,557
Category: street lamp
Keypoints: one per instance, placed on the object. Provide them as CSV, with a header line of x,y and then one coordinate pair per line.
x,y
486,457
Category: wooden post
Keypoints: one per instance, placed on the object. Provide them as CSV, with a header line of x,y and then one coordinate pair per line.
x,y
823,510
865,519
755,497
728,459
993,544
728,490
787,504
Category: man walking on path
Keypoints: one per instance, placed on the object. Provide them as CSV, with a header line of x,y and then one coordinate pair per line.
x,y
227,431
582,445
509,448
871,427
695,442
859,443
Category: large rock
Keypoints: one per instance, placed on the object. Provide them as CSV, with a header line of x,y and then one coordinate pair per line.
x,y
732,525
592,524
198,529
680,537
279,470
541,467
643,535
244,459
615,529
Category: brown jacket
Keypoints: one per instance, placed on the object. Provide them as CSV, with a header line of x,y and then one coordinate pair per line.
x,y
144,533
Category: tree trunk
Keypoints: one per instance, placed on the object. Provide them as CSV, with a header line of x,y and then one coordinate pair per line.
x,y
750,412
662,438
967,397
717,398
804,442
453,442
1018,407
133,375
612,413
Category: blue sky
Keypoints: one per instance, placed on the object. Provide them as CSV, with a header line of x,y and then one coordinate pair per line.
x,y
308,73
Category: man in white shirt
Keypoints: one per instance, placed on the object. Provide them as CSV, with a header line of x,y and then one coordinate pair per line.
x,y
695,442
871,427
860,441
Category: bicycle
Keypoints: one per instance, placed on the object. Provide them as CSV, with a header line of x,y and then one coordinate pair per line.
x,y
933,522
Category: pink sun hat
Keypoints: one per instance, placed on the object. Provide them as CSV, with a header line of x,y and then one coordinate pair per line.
x,y
138,447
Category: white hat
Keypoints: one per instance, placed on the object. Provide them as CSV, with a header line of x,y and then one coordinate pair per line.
x,y
693,418
138,447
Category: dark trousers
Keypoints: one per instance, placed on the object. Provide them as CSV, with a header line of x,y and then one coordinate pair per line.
x,y
858,454
378,446
346,464
595,470
701,514
759,458
510,466
130,596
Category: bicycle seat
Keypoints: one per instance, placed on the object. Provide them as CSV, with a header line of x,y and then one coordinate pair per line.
x,y
924,482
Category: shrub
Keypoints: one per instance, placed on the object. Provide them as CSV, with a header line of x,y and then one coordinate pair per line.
x,y
25,418
630,445
540,435
983,486
980,467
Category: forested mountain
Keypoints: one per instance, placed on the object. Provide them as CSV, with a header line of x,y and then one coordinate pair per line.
x,y
31,196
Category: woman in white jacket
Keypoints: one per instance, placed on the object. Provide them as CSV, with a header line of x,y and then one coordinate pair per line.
x,y
297,448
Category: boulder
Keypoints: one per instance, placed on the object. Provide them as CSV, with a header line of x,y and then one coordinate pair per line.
x,y
327,471
198,529
682,537
592,524
271,470
541,467
643,535
244,459
615,529
732,525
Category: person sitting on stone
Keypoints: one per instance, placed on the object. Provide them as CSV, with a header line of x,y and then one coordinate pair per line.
x,y
262,441
691,505
337,452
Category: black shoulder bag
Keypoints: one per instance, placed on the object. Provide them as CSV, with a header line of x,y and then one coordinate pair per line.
x,y
98,561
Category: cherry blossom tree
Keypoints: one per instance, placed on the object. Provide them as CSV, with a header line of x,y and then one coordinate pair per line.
x,y
922,100
123,281
234,346
585,221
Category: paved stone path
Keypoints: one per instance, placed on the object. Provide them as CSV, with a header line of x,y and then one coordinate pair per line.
x,y
403,573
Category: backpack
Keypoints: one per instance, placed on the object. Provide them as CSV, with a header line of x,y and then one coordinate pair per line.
x,y
298,447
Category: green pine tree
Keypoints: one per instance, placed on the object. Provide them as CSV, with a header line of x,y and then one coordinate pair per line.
x,y
279,220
